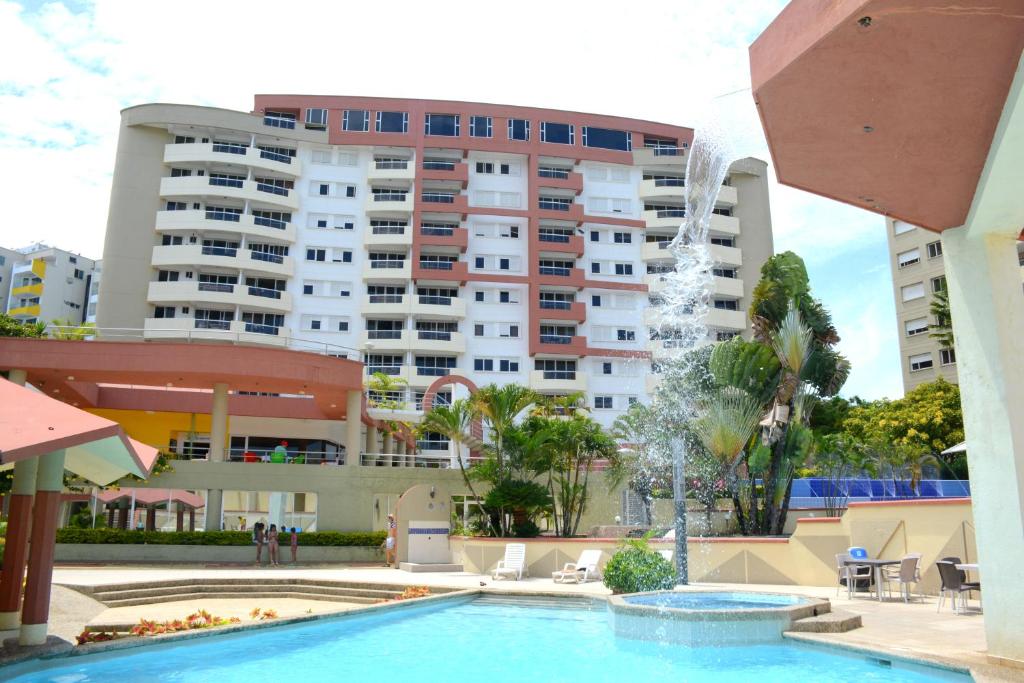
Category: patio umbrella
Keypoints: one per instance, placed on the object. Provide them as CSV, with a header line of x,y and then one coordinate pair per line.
x,y
959,448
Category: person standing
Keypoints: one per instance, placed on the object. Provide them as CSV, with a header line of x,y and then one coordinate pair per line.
x,y
272,544
258,539
390,541
294,543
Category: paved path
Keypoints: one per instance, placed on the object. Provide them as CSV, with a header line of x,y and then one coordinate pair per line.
x,y
911,630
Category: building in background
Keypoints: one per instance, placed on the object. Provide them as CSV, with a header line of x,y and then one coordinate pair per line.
x,y
426,238
94,293
918,273
44,283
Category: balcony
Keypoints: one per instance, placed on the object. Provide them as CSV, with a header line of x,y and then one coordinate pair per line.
x,y
571,181
657,251
458,172
727,195
437,342
213,330
729,225
670,188
557,382
387,270
560,277
425,376
385,305
391,169
438,307
24,311
575,311
35,290
560,244
241,190
190,291
559,345
729,286
664,218
406,373
226,153
441,271
665,349
557,211
655,282
441,237
729,256
383,236
661,156
443,202
725,319
235,224
384,341
389,203
194,255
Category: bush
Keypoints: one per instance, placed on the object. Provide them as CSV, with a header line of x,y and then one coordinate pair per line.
x,y
525,529
221,538
635,568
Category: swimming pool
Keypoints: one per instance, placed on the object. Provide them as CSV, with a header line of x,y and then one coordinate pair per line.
x,y
706,600
464,639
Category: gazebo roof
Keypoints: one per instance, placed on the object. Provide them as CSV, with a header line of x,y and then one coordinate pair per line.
x,y
152,496
33,424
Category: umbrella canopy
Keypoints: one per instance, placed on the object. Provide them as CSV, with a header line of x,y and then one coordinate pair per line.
x,y
152,496
33,424
959,448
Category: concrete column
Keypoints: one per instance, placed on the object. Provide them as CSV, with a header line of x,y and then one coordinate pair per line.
x,y
36,611
388,447
371,439
191,519
180,521
18,377
218,436
19,524
150,518
123,512
983,277
400,446
110,515
353,427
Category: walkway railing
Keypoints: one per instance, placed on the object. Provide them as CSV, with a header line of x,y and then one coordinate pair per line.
x,y
439,461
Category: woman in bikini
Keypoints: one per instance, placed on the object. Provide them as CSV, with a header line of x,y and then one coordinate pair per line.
x,y
272,544
389,541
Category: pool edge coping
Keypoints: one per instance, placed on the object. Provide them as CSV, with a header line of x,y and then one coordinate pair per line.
x,y
823,642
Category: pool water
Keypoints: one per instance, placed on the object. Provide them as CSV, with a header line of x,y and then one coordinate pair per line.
x,y
716,601
452,641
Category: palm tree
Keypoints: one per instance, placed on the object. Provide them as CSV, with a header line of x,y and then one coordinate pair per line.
x,y
500,406
69,330
942,328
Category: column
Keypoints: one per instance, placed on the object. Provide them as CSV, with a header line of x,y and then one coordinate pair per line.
x,y
191,519
122,520
19,524
180,521
983,277
111,509
388,447
36,611
150,518
353,432
400,446
371,439
218,436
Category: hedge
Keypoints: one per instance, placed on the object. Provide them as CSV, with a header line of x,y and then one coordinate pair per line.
x,y
236,538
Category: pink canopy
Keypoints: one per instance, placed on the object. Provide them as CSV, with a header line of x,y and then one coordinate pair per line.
x,y
152,496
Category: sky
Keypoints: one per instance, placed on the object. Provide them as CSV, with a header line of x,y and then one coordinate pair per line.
x,y
70,67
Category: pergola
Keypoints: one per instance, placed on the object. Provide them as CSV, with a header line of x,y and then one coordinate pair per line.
x,y
151,499
40,438
915,110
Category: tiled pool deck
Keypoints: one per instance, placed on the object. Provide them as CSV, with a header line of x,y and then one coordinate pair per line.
x,y
913,630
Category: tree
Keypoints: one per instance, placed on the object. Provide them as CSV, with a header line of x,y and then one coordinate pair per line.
x,y
640,464
577,443
69,330
942,329
12,327
385,393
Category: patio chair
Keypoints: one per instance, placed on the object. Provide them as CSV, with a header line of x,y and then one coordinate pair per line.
x,y
953,585
907,573
514,562
862,576
581,570
667,554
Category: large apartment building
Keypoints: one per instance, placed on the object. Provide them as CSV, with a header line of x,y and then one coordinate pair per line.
x,y
918,273
40,283
426,238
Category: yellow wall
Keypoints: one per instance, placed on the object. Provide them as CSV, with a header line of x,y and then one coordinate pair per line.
x,y
156,428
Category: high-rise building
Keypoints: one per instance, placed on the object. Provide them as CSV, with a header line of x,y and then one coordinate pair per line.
x,y
918,273
499,243
40,283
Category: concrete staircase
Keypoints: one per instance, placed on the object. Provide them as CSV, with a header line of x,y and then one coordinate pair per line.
x,y
149,592
829,622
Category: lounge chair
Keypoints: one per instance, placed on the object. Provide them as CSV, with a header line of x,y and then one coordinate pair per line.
x,y
581,570
514,562
953,585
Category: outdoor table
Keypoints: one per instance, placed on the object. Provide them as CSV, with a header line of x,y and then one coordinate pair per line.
x,y
877,565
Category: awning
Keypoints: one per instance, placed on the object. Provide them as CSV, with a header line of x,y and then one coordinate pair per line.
x,y
33,424
959,448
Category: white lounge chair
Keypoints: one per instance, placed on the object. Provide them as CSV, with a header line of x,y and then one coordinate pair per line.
x,y
514,562
581,570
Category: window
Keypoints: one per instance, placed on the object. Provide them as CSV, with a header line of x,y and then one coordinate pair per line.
x,y
441,124
167,276
722,335
506,298
595,235
724,272
908,258
595,300
934,249
483,364
899,227
484,167
355,120
916,326
723,241
606,368
595,267
163,312
625,335
518,129
392,122
561,133
603,403
921,361
321,156
503,264
316,118
479,296
480,127
607,138
176,206
623,268
316,254
947,356
623,238
726,305
307,289
79,274
609,205
939,284
911,292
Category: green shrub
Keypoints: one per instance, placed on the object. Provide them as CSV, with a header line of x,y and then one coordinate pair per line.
x,y
525,529
225,538
635,568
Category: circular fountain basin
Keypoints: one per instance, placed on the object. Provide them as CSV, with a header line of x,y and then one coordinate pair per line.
x,y
706,618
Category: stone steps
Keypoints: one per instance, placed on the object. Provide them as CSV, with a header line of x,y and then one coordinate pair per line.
x,y
213,595
108,597
829,622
